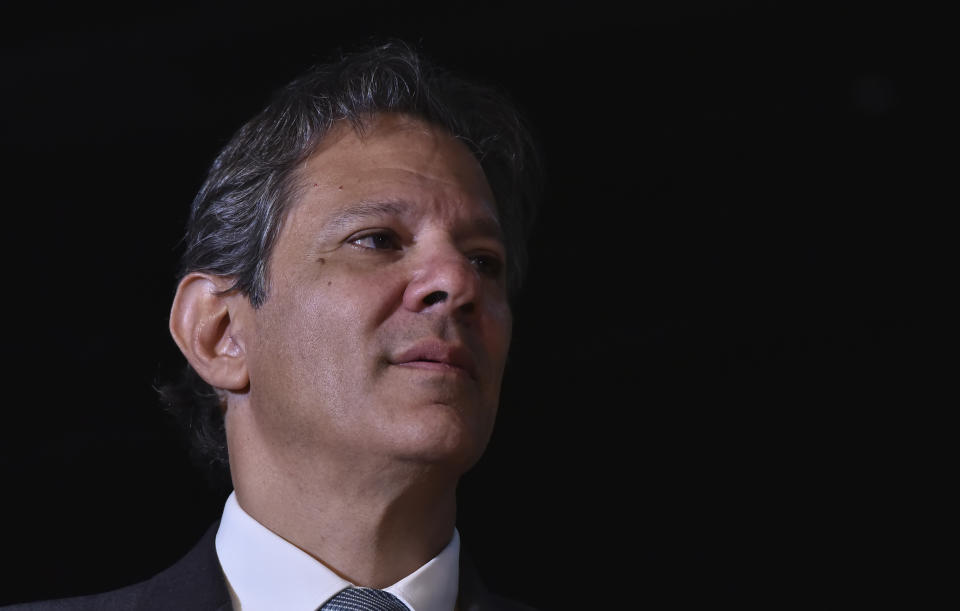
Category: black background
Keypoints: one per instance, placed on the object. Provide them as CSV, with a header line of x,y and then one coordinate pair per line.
x,y
721,375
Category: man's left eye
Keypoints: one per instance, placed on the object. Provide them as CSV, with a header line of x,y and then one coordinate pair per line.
x,y
377,241
487,265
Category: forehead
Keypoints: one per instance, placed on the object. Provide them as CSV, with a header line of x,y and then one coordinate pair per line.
x,y
394,159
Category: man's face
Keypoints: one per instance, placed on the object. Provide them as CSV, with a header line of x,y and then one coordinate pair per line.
x,y
386,326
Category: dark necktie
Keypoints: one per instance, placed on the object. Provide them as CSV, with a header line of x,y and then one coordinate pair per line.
x,y
363,599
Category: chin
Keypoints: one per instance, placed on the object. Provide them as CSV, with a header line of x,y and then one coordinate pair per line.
x,y
442,437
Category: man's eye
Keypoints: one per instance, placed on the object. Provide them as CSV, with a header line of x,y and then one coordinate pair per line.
x,y
487,265
377,241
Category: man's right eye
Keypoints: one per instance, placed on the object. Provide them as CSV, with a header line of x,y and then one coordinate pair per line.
x,y
379,240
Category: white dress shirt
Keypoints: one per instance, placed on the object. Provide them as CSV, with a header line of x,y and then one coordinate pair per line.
x,y
265,572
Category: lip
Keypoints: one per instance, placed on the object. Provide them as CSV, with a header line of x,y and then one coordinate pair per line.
x,y
437,355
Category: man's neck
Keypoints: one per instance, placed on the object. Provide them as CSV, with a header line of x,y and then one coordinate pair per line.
x,y
372,531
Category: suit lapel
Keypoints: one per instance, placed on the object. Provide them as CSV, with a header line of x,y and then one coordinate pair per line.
x,y
194,583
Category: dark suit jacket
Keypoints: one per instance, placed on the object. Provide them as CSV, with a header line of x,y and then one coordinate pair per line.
x,y
195,583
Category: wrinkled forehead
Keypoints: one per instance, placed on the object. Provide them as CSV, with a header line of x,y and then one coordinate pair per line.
x,y
393,156
383,131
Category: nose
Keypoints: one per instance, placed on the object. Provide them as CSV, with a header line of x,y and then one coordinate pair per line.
x,y
443,280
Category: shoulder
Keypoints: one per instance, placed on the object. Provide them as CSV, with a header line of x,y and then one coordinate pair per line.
x,y
474,595
130,597
194,583
493,602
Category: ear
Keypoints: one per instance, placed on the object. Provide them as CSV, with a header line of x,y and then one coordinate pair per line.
x,y
205,323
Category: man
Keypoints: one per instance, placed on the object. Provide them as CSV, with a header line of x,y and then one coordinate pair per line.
x,y
344,310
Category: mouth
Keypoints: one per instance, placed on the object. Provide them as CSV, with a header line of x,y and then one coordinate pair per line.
x,y
437,356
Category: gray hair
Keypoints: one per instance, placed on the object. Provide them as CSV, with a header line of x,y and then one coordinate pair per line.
x,y
236,216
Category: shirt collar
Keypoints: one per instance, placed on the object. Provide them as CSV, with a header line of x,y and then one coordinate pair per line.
x,y
265,572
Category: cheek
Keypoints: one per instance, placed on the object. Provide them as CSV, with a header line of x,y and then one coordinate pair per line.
x,y
499,332
364,294
337,292
328,327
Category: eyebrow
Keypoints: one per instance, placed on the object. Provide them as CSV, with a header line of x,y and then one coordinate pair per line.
x,y
488,227
364,210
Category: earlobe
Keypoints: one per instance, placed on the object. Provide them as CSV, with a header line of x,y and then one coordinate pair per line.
x,y
206,329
